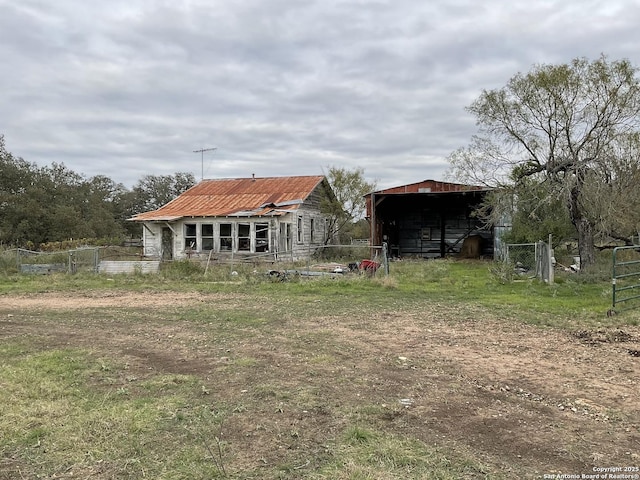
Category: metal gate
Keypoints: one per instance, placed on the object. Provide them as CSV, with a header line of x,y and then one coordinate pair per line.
x,y
532,259
625,278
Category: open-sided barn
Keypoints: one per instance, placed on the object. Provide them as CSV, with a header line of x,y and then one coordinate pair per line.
x,y
244,216
429,219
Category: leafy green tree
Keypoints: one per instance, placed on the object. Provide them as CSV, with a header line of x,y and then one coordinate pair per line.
x,y
104,207
348,204
153,191
21,201
535,213
561,125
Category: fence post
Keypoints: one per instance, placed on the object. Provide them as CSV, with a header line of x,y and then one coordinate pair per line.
x,y
385,258
613,279
550,261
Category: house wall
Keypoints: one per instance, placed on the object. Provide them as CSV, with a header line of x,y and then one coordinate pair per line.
x,y
294,235
310,232
152,239
291,234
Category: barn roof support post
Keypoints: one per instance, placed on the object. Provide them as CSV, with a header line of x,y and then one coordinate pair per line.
x,y
443,226
373,223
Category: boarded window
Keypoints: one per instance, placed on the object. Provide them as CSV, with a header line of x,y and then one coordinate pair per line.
x,y
190,237
207,236
226,237
262,237
244,237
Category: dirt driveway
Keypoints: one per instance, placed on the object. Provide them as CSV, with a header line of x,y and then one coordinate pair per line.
x,y
527,401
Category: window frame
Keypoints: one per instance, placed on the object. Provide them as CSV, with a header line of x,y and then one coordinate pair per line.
x,y
187,230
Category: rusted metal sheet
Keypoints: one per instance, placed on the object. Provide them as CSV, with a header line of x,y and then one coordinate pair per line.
x,y
431,186
239,196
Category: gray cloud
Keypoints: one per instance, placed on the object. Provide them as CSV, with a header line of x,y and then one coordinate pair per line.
x,y
280,87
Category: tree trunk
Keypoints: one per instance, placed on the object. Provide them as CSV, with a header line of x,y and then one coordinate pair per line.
x,y
586,247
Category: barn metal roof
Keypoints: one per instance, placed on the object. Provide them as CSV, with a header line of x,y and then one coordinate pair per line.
x,y
432,186
268,196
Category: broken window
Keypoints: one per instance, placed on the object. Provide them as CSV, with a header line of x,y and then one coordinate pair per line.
x,y
244,237
190,237
207,236
312,230
262,237
300,231
226,237
322,229
285,237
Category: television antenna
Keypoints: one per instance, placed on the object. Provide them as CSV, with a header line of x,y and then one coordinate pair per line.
x,y
201,152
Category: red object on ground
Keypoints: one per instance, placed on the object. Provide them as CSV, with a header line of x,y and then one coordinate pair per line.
x,y
369,265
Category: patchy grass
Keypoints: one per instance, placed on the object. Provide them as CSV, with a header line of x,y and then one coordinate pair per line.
x,y
440,370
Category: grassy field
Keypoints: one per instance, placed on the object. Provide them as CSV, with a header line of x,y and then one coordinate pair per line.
x,y
441,370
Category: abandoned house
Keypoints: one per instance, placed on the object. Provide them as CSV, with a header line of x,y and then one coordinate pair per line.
x,y
429,219
273,216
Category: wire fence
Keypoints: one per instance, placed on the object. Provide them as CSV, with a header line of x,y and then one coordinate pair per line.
x,y
531,259
341,258
523,257
77,260
123,260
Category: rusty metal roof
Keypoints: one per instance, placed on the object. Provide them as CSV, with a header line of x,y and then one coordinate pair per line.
x,y
431,186
237,197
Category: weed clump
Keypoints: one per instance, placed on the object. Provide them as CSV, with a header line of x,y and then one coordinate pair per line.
x,y
181,270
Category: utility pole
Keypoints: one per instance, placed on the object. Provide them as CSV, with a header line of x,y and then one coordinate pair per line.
x,y
201,152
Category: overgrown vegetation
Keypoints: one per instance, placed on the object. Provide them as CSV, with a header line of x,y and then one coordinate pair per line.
x,y
45,207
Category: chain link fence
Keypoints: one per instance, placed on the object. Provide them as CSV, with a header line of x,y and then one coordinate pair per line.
x,y
530,259
77,260
70,261
522,256
30,262
340,258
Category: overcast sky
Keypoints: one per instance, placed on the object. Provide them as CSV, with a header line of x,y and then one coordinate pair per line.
x,y
279,87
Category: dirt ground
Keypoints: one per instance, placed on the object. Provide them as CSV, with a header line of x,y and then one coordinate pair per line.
x,y
527,401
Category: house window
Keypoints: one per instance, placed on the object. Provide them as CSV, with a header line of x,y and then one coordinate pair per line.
x,y
312,230
285,237
207,236
190,237
226,237
244,237
300,231
262,237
